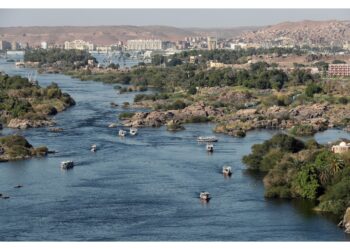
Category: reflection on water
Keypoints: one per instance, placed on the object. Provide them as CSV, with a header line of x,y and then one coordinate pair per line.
x,y
146,187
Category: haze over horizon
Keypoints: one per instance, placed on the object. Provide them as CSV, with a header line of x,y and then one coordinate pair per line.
x,y
190,18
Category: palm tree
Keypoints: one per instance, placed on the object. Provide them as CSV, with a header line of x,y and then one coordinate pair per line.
x,y
336,165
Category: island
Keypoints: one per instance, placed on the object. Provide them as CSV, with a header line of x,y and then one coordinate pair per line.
x,y
294,169
16,147
24,104
239,90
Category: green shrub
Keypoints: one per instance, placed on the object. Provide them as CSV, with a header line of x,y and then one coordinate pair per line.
x,y
198,119
302,130
306,184
126,115
312,89
343,100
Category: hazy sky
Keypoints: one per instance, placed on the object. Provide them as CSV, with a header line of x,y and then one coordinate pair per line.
x,y
171,17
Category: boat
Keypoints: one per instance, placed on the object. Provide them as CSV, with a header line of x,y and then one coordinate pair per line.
x,y
20,64
210,148
67,164
122,132
207,139
133,131
205,196
227,170
93,148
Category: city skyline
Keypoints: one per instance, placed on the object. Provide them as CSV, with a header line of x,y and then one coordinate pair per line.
x,y
201,18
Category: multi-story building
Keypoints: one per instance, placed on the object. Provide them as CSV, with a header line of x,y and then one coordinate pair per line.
x,y
212,43
5,45
144,45
14,45
104,49
79,44
339,70
43,45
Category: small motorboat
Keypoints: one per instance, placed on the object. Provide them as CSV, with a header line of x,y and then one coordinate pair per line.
x,y
93,148
122,132
210,148
207,139
67,164
227,170
20,64
205,196
133,131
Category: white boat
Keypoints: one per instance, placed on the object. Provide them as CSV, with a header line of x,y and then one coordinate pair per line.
x,y
20,64
207,139
204,196
93,148
227,170
122,132
67,164
210,147
133,131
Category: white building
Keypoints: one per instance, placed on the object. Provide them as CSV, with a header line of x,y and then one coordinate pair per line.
x,y
341,148
79,44
212,43
144,45
43,45
236,46
104,49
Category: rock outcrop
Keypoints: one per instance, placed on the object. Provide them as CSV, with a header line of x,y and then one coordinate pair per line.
x,y
25,123
16,147
345,223
174,125
158,118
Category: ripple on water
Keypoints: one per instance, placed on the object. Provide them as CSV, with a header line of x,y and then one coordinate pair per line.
x,y
144,187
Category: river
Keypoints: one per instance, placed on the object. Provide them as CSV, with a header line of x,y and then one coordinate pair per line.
x,y
143,188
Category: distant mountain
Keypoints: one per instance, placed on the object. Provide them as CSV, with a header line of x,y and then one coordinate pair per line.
x,y
107,35
305,32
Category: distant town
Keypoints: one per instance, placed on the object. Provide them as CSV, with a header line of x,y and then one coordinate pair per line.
x,y
146,49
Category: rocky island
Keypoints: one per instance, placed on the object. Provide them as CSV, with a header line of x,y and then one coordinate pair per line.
x,y
24,104
250,89
16,147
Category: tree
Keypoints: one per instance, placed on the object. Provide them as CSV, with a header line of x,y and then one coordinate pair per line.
x,y
312,89
305,183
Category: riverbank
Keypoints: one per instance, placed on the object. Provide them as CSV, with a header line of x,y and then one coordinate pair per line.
x,y
294,169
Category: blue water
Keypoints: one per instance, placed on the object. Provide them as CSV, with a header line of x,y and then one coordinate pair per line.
x,y
143,188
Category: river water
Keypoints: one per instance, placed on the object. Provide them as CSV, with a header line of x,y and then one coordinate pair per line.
x,y
143,188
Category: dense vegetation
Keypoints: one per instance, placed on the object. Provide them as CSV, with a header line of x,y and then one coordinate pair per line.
x,y
20,98
303,130
295,169
189,76
66,57
224,56
14,147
